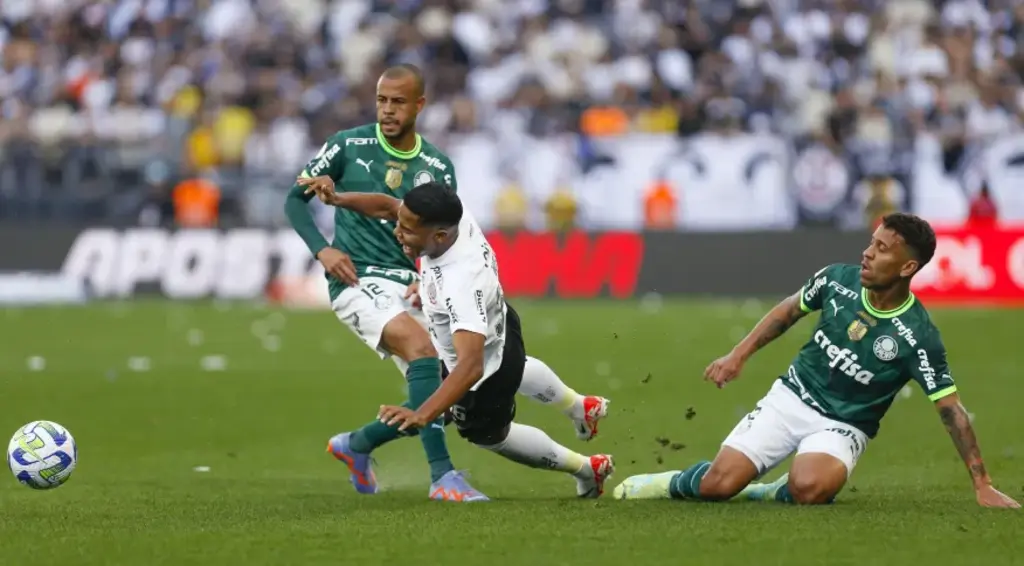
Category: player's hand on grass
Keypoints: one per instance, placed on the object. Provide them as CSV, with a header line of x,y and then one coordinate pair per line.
x,y
989,496
724,369
322,187
413,292
338,264
403,416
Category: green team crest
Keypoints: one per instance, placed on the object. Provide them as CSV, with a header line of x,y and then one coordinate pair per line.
x,y
857,330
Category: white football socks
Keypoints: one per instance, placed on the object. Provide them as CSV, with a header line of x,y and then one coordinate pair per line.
x,y
543,385
534,448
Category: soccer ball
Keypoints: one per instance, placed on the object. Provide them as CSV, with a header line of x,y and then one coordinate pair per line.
x,y
42,455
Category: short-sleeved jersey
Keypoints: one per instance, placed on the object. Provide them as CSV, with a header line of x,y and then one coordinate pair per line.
x,y
859,358
361,160
460,290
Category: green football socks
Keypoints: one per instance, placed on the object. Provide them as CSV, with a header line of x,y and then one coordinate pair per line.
x,y
424,377
374,434
686,484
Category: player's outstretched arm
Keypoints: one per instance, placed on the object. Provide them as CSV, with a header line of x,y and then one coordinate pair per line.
x,y
958,424
469,350
374,205
774,324
369,204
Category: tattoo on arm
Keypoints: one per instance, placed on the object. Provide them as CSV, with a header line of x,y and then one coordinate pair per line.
x,y
958,424
776,323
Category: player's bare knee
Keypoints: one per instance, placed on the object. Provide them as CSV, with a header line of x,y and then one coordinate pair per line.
x,y
722,481
816,478
728,475
809,490
407,339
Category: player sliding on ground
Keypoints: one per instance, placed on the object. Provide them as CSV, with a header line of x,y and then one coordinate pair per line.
x,y
872,338
477,333
372,283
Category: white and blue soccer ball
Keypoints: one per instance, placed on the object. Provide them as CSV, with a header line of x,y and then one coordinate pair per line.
x,y
42,455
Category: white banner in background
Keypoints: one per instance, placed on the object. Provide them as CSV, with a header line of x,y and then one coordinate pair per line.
x,y
187,264
40,289
945,198
737,182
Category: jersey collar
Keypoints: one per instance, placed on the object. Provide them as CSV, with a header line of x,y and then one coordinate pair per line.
x,y
886,314
406,155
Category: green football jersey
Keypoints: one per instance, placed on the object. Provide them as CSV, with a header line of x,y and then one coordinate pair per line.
x,y
859,358
362,160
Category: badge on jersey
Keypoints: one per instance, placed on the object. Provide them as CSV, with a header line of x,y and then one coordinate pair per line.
x,y
886,348
422,178
393,178
432,292
857,330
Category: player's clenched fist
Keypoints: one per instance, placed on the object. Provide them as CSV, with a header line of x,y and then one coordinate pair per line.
x,y
724,369
322,187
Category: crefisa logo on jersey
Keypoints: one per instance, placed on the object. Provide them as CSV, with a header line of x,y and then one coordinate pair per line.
x,y
886,348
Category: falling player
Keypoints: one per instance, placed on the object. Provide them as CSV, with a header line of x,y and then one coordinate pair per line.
x,y
372,283
477,333
872,338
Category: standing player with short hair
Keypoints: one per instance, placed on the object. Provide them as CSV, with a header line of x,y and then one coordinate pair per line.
x,y
872,337
372,283
477,333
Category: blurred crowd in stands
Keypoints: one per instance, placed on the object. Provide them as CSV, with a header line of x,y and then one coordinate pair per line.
x,y
138,110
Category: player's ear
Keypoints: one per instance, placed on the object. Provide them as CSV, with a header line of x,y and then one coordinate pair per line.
x,y
420,103
909,268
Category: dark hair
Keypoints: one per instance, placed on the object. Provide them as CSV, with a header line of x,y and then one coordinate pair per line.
x,y
916,232
435,203
406,70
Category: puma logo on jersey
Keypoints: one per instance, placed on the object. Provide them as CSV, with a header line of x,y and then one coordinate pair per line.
x,y
836,307
365,164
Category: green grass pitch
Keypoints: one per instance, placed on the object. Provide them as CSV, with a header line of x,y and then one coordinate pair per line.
x,y
248,396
